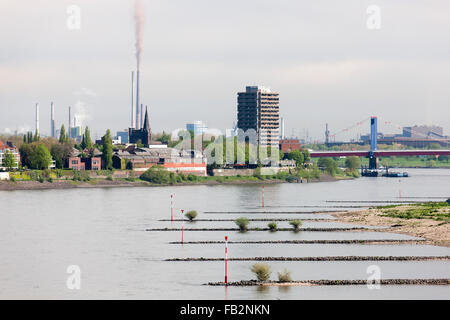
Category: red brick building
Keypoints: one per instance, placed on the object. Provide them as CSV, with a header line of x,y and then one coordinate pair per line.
x,y
288,145
78,163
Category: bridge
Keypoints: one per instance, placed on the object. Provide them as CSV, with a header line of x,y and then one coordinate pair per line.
x,y
373,153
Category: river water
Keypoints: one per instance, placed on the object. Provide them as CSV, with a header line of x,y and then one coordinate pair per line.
x,y
102,231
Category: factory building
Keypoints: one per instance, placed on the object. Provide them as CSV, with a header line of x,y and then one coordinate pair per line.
x,y
258,109
174,160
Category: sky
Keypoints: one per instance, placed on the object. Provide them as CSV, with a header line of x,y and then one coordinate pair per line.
x,y
325,59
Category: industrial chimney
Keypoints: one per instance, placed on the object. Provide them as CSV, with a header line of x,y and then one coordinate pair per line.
x,y
138,111
37,118
133,116
70,118
52,120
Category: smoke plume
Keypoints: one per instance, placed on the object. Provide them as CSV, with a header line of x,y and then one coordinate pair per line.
x,y
139,20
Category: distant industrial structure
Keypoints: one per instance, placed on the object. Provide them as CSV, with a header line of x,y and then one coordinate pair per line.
x,y
198,127
258,109
176,161
414,136
37,118
52,120
282,129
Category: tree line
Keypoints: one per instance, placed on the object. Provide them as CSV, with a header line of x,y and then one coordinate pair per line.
x,y
37,153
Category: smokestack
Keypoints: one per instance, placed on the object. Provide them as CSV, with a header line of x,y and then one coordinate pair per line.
x,y
37,118
142,116
138,111
133,116
70,120
52,120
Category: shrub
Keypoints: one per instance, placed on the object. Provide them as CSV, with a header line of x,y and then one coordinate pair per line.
x,y
50,179
296,224
131,177
12,179
46,173
41,179
191,215
109,178
81,176
284,276
282,175
272,226
292,179
242,223
192,177
156,174
33,176
262,271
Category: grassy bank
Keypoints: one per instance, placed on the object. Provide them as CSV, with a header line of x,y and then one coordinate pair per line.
x,y
429,220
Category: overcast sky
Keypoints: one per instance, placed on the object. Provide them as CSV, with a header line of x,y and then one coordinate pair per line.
x,y
327,65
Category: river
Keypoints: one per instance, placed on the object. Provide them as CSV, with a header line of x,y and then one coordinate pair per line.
x,y
102,231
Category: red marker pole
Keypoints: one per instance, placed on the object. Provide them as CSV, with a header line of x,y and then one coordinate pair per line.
x,y
182,227
226,260
263,196
171,207
399,190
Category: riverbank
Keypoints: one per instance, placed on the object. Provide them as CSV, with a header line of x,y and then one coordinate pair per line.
x,y
425,220
105,183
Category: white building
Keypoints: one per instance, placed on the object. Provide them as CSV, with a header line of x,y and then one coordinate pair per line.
x,y
11,148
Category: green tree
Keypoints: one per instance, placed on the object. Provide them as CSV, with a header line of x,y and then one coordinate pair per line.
x,y
40,157
63,137
297,156
328,165
9,161
306,155
156,174
25,151
60,152
107,150
165,138
36,137
86,142
352,163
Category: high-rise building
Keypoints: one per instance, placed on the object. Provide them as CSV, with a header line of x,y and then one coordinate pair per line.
x,y
259,109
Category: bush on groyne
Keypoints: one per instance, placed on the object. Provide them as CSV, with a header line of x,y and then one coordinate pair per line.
x,y
262,271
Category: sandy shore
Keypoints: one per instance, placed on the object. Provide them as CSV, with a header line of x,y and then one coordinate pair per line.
x,y
435,232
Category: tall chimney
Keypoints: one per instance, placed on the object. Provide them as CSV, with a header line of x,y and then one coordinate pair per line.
x,y
37,118
133,116
138,111
52,120
70,120
142,116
